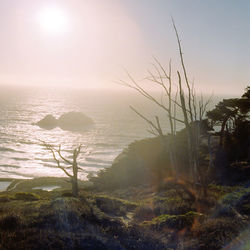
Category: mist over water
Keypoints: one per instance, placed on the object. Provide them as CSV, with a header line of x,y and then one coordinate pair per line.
x,y
22,155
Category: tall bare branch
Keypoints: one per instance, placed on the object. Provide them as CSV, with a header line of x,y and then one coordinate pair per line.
x,y
184,70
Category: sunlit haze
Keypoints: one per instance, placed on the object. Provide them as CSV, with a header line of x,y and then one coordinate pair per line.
x,y
124,124
87,44
53,20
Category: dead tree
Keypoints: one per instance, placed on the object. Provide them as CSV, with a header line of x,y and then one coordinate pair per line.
x,y
163,79
193,115
72,164
176,96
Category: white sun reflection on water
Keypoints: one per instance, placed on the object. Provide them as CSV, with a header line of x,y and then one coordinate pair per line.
x,y
22,154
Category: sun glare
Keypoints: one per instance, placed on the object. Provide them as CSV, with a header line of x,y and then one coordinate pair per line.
x,y
53,20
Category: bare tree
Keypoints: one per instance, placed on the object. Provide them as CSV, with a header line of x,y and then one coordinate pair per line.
x,y
177,96
162,78
72,164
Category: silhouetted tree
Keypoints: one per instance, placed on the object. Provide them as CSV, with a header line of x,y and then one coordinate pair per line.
x,y
229,112
182,97
73,165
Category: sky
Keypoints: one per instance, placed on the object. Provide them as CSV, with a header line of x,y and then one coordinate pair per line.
x,y
87,44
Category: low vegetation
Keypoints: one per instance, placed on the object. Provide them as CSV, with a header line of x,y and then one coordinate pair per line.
x,y
152,219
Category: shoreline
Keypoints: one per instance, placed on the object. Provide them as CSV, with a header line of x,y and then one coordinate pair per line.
x,y
38,183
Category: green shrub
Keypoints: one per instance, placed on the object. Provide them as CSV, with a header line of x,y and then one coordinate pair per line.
x,y
143,213
111,205
215,233
26,196
4,198
235,197
173,221
67,194
171,205
243,206
10,222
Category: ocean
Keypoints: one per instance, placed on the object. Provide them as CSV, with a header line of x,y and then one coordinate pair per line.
x,y
23,155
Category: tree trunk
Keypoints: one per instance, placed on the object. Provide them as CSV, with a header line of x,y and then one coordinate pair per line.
x,y
74,177
74,186
222,130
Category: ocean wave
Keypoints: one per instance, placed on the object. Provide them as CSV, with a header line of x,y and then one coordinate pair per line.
x,y
109,152
50,165
9,166
98,160
101,144
20,159
16,173
25,142
45,160
4,149
87,164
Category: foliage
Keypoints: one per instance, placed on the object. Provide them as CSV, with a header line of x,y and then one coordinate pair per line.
x,y
143,212
25,196
97,220
243,205
232,116
113,205
10,222
172,221
236,196
216,233
145,158
142,158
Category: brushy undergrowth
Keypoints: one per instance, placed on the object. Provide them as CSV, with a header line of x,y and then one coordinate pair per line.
x,y
177,222
216,233
153,219
25,196
115,206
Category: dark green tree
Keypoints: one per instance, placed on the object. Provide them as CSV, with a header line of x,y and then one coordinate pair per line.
x,y
230,112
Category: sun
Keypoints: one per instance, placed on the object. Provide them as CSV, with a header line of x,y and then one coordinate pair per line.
x,y
53,20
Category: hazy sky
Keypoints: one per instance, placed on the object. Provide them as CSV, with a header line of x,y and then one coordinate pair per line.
x,y
87,43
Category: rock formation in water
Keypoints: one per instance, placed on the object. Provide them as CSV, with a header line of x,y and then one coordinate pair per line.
x,y
74,121
71,121
48,122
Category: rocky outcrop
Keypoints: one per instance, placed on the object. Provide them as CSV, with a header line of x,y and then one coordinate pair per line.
x,y
74,121
48,122
71,121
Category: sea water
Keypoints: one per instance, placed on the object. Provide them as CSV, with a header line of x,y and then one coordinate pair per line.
x,y
23,155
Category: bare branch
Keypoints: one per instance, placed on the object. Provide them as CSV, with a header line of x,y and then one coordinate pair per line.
x,y
143,92
184,70
59,153
161,67
158,125
49,147
145,119
176,96
183,104
152,132
194,101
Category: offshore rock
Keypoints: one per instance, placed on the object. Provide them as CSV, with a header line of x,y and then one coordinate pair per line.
x,y
74,121
48,122
71,121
